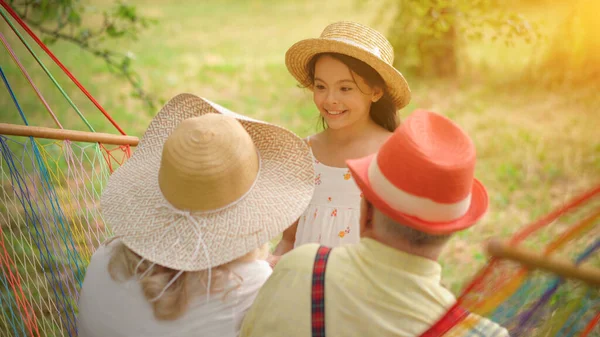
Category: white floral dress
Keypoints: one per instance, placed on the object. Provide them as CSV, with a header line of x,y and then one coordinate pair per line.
x,y
332,217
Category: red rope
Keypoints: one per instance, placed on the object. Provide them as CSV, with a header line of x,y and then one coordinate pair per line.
x,y
450,319
109,157
575,202
593,322
25,308
45,48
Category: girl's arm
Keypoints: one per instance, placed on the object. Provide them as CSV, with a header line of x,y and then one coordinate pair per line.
x,y
285,245
288,238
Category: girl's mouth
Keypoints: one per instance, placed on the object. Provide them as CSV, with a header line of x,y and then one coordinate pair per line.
x,y
336,112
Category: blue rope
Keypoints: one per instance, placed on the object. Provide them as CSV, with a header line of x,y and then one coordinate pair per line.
x,y
510,307
59,216
589,251
33,218
527,318
571,323
57,211
573,319
12,95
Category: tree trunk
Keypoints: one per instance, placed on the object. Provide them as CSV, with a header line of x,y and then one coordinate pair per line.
x,y
417,50
438,55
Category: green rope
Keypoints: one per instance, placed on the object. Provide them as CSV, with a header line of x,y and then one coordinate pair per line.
x,y
5,16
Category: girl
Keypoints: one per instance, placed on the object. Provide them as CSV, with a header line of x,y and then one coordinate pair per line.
x,y
193,210
357,92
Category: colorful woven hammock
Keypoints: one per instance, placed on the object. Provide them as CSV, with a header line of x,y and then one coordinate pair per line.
x,y
50,223
537,294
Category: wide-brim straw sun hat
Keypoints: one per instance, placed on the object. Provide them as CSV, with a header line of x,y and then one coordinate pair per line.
x,y
423,176
207,186
356,40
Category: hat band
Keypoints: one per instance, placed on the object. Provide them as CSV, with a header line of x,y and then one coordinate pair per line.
x,y
375,50
420,207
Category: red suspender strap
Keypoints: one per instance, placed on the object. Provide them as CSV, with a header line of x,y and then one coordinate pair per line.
x,y
318,292
453,317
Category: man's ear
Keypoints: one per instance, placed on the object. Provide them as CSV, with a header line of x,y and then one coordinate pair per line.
x,y
366,218
370,211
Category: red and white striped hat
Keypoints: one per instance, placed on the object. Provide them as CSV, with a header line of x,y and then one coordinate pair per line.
x,y
423,176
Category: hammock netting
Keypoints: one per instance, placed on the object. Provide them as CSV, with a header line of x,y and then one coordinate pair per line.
x,y
50,220
50,225
533,302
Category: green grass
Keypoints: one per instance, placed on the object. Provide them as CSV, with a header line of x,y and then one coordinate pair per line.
x,y
536,147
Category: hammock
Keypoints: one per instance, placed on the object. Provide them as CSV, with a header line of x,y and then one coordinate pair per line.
x,y
50,222
552,293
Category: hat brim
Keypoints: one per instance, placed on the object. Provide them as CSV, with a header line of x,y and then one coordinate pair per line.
x,y
479,203
300,54
132,202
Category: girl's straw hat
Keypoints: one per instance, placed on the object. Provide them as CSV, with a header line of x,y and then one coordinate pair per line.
x,y
358,41
422,176
206,186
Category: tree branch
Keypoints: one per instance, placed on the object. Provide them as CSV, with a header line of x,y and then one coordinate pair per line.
x,y
117,63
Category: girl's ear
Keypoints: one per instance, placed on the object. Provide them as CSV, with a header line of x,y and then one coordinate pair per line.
x,y
377,94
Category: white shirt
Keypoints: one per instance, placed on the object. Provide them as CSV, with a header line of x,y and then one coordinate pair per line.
x,y
115,309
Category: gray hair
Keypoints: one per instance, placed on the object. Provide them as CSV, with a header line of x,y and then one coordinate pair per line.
x,y
414,237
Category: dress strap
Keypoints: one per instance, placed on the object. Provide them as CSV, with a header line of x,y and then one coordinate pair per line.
x,y
318,292
307,141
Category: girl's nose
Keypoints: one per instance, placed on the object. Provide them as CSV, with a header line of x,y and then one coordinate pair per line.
x,y
332,98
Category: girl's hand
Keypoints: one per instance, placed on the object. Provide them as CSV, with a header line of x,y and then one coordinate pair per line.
x,y
273,260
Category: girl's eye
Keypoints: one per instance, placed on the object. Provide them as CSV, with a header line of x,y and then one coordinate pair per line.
x,y
320,86
346,89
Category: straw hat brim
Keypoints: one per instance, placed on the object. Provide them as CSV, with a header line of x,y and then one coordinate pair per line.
x,y
479,203
132,199
300,54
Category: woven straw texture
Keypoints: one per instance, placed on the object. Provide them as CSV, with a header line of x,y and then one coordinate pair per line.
x,y
133,204
358,41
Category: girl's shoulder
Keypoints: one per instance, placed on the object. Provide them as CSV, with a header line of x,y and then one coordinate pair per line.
x,y
313,138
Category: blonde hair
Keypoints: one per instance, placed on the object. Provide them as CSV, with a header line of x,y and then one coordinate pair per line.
x,y
175,300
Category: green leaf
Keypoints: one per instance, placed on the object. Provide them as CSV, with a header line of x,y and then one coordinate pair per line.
x,y
126,12
112,31
49,40
74,17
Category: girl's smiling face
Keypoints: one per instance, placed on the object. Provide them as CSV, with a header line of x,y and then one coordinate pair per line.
x,y
342,97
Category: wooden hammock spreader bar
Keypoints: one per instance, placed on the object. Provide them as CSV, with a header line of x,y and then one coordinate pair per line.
x,y
558,266
62,134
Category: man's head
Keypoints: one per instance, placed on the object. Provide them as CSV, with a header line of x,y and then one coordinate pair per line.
x,y
419,187
378,226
